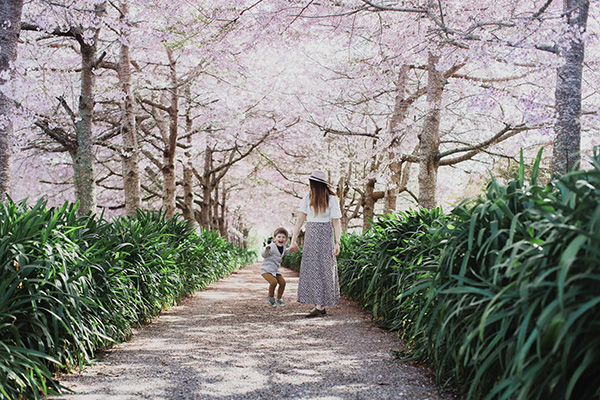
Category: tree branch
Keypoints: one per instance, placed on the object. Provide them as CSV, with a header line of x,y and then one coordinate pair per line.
x,y
473,150
154,104
542,9
71,32
63,103
58,134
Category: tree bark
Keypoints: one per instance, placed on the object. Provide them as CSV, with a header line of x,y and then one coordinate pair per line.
x,y
429,139
205,206
188,193
395,164
168,167
223,226
350,206
342,191
130,153
188,170
83,159
10,20
369,199
215,224
567,128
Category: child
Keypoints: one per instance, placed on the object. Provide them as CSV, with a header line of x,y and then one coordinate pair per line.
x,y
269,269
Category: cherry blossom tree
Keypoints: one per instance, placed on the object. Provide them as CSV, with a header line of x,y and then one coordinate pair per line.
x,y
566,40
230,105
80,145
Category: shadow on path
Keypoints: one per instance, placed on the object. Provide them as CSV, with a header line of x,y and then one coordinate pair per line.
x,y
226,343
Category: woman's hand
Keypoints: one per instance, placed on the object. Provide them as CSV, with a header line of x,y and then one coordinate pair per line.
x,y
337,235
294,247
336,249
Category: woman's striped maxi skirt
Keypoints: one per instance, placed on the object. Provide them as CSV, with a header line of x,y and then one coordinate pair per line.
x,y
318,283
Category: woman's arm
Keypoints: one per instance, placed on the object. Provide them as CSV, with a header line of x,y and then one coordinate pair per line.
x,y
337,234
299,222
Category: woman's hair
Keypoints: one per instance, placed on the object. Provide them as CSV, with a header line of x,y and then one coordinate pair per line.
x,y
281,230
319,196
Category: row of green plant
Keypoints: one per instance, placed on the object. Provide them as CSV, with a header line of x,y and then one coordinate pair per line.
x,y
292,260
71,285
502,296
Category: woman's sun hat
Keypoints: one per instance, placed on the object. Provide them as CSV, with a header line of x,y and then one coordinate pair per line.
x,y
318,176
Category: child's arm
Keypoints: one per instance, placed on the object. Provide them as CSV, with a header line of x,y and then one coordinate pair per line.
x,y
266,251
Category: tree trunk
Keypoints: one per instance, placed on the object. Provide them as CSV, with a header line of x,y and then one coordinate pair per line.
x,y
368,204
369,199
245,232
205,205
83,159
168,167
130,153
223,212
401,186
342,191
391,193
215,226
429,139
567,129
10,18
188,193
188,173
395,164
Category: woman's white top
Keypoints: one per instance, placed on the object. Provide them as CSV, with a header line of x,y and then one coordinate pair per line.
x,y
332,211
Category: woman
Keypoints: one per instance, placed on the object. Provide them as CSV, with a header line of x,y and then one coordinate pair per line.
x,y
318,284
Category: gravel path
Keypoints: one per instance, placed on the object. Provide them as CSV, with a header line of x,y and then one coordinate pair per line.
x,y
225,342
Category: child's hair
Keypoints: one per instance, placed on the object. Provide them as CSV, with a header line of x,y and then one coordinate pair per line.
x,y
281,230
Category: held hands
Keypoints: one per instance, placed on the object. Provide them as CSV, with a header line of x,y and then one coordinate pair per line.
x,y
294,247
336,250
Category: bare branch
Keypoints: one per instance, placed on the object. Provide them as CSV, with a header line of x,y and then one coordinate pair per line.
x,y
154,104
542,9
108,135
298,15
71,32
151,157
152,192
58,134
471,151
343,133
400,9
99,61
426,11
282,173
491,80
63,103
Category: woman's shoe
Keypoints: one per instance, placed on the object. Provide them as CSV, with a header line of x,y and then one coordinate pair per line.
x,y
315,312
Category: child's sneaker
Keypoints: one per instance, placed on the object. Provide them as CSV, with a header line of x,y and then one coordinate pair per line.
x,y
271,301
280,302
